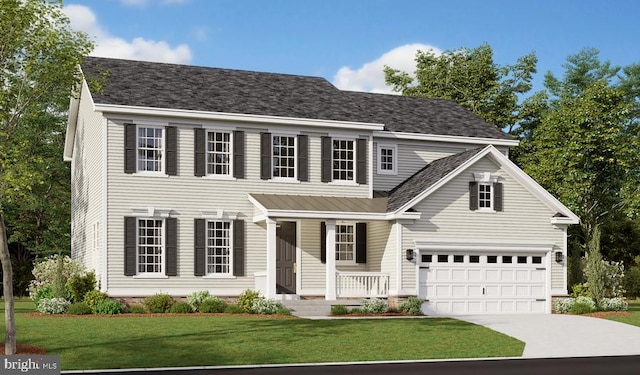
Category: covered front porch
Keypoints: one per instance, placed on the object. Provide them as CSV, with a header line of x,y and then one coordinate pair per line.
x,y
326,247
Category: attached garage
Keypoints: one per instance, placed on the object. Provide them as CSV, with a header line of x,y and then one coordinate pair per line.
x,y
484,282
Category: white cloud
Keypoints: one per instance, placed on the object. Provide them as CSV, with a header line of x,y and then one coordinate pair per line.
x,y
370,76
107,45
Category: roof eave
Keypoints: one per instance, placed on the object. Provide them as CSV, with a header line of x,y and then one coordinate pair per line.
x,y
447,138
234,117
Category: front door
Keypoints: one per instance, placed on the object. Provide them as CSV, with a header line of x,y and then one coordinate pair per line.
x,y
286,257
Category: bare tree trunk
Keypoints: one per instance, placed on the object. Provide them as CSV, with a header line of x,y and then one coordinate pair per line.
x,y
7,282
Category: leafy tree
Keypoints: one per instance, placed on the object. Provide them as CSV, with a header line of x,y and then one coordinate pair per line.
x,y
39,58
471,78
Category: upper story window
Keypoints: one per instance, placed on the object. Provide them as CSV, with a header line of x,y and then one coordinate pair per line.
x,y
485,197
387,159
151,149
284,156
485,193
219,153
343,158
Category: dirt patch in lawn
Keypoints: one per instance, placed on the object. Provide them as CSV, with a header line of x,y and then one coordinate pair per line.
x,y
607,314
26,349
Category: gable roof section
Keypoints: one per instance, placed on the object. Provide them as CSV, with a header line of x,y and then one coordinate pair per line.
x,y
441,171
192,88
426,177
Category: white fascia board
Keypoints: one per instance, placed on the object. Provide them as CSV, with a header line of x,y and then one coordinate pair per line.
x,y
478,245
237,117
72,123
445,179
535,188
447,138
514,171
564,221
293,214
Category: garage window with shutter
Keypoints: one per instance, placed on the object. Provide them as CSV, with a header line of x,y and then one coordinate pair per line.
x,y
485,193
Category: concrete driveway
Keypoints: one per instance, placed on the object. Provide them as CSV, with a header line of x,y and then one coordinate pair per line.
x,y
552,335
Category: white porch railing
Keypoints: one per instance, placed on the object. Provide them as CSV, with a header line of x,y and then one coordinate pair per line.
x,y
362,284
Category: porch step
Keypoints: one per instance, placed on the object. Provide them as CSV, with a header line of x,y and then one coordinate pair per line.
x,y
317,307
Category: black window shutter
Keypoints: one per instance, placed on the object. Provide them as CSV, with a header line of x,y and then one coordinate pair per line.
x,y
171,145
171,247
265,156
199,154
130,131
361,242
323,242
238,248
473,195
497,196
200,238
238,154
326,159
130,246
361,162
303,158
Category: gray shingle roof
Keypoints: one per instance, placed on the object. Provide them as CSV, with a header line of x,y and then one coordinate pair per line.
x,y
159,85
427,177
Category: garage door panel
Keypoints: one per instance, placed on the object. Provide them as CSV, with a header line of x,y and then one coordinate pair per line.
x,y
481,287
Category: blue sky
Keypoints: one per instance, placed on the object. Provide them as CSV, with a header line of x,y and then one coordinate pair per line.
x,y
349,41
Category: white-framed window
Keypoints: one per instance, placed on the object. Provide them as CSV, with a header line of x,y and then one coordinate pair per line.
x,y
343,159
387,159
219,154
485,197
345,242
150,246
150,153
95,240
284,156
219,248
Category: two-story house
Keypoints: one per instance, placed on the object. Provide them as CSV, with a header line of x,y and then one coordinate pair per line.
x,y
188,178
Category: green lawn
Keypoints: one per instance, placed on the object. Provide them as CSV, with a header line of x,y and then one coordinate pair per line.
x,y
167,341
634,319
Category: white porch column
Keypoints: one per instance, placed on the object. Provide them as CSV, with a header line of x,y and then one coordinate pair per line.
x,y
330,294
271,258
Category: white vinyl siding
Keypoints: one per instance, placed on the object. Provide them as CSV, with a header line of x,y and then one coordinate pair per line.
x,y
188,196
446,216
87,184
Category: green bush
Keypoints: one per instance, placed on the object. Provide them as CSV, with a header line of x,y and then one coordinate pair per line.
x,y
246,298
339,310
136,309
563,305
195,299
413,306
614,304
45,291
79,308
581,308
80,285
580,290
233,309
631,282
374,306
181,307
93,297
158,303
213,305
55,271
356,311
108,307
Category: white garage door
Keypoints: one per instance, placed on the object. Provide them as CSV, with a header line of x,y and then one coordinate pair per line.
x,y
482,283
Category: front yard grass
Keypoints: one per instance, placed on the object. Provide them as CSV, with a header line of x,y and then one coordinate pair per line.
x,y
634,318
102,342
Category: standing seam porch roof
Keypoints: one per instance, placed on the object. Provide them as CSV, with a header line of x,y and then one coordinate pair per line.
x,y
185,87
